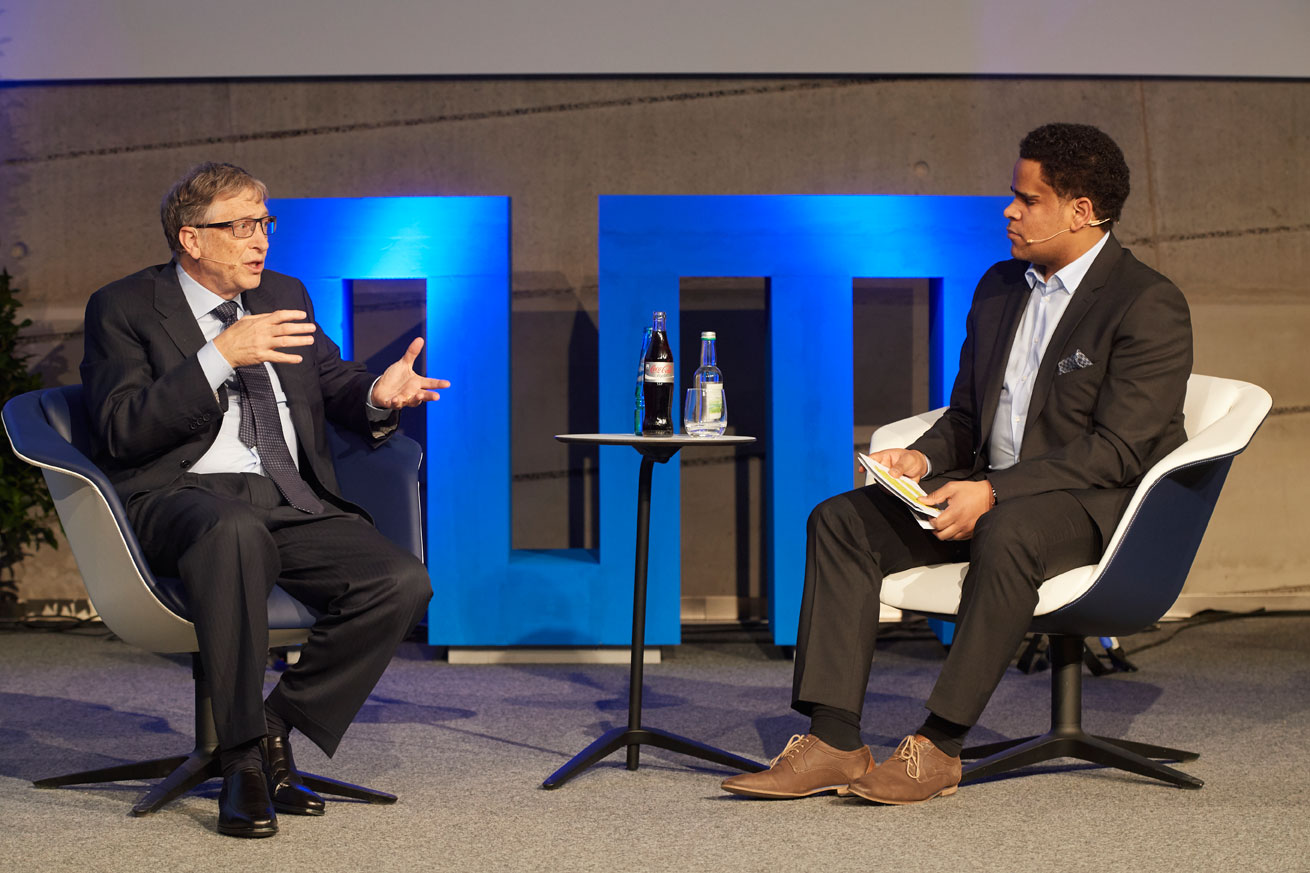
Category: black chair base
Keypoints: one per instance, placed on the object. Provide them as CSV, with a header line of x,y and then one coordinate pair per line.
x,y
1067,739
181,773
633,738
998,758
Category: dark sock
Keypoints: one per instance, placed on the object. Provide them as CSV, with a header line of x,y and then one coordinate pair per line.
x,y
945,735
839,728
277,725
242,757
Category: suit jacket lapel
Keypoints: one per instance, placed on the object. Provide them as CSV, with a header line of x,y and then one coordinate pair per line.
x,y
1082,301
175,315
1006,329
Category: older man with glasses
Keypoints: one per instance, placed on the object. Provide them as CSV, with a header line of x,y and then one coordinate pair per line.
x,y
209,386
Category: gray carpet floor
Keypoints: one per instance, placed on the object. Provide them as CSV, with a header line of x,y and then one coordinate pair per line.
x,y
466,748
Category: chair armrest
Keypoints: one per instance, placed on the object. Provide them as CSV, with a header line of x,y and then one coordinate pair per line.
x,y
117,576
384,481
899,434
37,443
1227,436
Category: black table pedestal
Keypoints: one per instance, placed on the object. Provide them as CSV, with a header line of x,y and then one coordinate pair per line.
x,y
634,736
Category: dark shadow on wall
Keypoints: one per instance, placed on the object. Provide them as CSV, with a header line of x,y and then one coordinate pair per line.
x,y
556,488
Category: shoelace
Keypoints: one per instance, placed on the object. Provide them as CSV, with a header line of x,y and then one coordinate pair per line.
x,y
909,751
793,745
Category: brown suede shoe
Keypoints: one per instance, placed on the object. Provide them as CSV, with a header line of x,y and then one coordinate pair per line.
x,y
918,771
807,766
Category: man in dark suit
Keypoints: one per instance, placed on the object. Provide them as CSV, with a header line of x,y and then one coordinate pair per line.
x,y
209,384
1071,385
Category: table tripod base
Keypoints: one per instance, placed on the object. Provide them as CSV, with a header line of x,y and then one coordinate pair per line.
x,y
633,738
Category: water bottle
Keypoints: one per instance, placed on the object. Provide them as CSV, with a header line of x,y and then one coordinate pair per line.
x,y
707,376
641,384
657,382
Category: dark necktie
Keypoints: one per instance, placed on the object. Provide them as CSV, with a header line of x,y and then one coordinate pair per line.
x,y
261,427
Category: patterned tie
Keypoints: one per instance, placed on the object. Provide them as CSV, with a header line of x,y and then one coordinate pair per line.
x,y
261,427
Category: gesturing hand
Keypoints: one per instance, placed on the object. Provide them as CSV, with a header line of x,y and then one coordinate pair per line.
x,y
401,386
966,502
255,339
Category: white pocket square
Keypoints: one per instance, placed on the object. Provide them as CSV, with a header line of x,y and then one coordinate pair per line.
x,y
1076,361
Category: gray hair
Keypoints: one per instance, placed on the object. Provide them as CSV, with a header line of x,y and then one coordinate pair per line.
x,y
187,203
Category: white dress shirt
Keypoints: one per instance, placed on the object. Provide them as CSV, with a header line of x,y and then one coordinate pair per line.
x,y
228,454
1047,301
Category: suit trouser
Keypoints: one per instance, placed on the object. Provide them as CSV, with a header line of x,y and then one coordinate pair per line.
x,y
230,537
856,538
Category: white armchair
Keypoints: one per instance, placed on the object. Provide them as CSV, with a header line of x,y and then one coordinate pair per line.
x,y
1137,579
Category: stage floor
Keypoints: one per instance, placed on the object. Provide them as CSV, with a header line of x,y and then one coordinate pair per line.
x,y
467,746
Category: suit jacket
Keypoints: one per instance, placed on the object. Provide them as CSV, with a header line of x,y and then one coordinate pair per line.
x,y
152,410
1094,429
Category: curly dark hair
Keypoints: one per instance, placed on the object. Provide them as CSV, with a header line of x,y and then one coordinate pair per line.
x,y
1079,160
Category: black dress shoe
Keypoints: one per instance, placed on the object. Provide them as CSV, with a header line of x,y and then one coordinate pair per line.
x,y
289,794
243,807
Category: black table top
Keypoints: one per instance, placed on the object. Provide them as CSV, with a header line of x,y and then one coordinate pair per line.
x,y
627,439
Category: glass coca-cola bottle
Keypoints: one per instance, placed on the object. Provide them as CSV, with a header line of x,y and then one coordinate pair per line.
x,y
657,383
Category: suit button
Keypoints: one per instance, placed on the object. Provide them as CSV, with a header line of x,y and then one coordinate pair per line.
x,y
185,464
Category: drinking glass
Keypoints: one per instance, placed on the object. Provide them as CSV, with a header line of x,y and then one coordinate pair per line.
x,y
706,411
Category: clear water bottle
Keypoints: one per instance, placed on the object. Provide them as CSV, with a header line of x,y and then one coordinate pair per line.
x,y
641,384
657,382
713,418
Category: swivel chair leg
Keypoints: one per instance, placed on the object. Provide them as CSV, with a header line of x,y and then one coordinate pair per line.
x,y
1067,739
1147,750
326,785
153,769
191,771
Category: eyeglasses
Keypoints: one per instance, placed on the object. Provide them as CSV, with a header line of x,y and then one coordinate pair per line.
x,y
244,228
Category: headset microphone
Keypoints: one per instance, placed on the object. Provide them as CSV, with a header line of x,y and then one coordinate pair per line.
x,y
217,261
1045,238
1066,230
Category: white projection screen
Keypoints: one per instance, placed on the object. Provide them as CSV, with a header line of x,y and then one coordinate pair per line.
x,y
53,40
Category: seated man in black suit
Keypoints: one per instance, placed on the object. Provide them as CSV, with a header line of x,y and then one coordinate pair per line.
x,y
1071,386
209,385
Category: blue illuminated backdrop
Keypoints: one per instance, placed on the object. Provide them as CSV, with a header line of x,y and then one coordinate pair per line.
x,y
460,247
809,247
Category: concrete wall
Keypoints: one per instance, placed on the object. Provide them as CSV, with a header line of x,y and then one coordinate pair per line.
x,y
1221,203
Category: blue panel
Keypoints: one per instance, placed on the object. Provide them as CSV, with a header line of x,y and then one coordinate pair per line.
x,y
810,412
332,311
485,593
460,246
810,248
943,630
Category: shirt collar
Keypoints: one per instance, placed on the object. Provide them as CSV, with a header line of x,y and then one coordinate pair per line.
x,y
200,299
1071,275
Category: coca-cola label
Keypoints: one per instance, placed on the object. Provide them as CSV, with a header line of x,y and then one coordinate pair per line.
x,y
659,371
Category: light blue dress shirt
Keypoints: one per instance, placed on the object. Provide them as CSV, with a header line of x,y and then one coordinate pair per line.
x,y
1047,301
